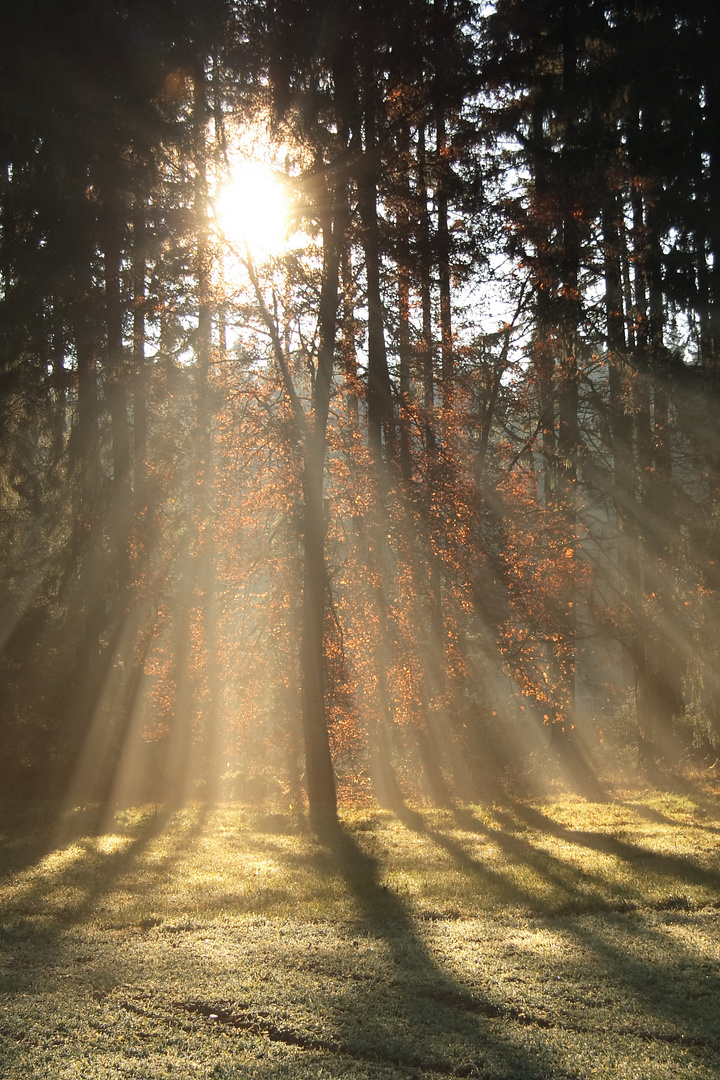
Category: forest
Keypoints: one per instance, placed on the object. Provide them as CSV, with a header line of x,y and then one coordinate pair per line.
x,y
359,397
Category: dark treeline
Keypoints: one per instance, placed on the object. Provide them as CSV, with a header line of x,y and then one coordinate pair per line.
x,y
429,496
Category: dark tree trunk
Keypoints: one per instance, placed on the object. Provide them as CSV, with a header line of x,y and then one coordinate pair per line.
x,y
427,359
443,252
205,568
403,293
320,774
117,395
379,393
140,371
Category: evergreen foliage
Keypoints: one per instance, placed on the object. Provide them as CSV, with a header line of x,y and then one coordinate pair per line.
x,y
426,491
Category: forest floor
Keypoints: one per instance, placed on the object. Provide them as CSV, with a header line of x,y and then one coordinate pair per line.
x,y
557,940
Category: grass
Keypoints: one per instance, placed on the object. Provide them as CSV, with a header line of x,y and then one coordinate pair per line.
x,y
533,941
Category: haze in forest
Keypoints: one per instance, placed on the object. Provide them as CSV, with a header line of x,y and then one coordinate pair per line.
x,y
405,483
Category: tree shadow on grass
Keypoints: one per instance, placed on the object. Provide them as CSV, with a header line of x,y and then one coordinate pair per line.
x,y
404,1015
32,829
549,869
655,968
708,808
673,867
67,883
380,990
422,1011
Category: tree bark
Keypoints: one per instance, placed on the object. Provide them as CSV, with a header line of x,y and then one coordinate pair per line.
x,y
380,402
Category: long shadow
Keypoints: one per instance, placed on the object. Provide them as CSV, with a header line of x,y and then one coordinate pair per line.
x,y
89,877
652,967
653,972
509,889
546,865
409,1009
437,1008
404,1009
495,880
32,829
665,985
671,865
656,982
658,818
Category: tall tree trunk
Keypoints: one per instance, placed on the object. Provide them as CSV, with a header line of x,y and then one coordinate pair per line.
x,y
86,571
427,359
436,629
659,694
312,431
568,437
712,141
642,406
380,403
442,177
205,569
348,343
403,292
620,408
543,348
117,394
320,774
140,369
443,256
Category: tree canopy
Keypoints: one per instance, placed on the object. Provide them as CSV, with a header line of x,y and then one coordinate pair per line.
x,y
421,499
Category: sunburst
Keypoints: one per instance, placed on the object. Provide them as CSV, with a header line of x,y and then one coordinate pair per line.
x,y
251,210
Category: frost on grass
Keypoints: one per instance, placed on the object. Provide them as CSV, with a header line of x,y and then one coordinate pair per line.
x,y
532,943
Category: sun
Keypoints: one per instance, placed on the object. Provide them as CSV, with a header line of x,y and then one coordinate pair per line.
x,y
251,209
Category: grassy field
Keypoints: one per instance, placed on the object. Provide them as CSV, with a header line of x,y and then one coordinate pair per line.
x,y
564,940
